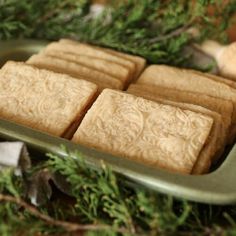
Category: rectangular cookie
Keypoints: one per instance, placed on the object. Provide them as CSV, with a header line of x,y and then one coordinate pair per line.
x,y
75,70
223,107
145,131
140,62
217,78
215,144
113,69
42,99
186,80
78,48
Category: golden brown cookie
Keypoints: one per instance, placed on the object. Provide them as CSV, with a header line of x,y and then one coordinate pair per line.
x,y
145,131
42,99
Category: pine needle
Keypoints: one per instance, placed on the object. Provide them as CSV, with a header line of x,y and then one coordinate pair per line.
x,y
155,29
105,205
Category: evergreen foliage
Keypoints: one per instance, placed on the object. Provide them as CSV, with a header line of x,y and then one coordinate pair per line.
x,y
155,29
101,204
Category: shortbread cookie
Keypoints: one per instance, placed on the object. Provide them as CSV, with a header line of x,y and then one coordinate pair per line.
x,y
110,68
221,106
145,131
187,80
42,99
140,62
78,48
76,70
214,146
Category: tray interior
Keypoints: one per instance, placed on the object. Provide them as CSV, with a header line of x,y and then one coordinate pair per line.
x,y
216,187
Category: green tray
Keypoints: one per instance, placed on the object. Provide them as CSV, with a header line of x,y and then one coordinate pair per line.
x,y
217,187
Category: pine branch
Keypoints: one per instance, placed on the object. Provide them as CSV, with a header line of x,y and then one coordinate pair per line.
x,y
68,226
101,197
154,29
107,205
96,191
172,34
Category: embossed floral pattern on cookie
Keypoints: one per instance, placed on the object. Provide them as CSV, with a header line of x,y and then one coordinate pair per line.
x,y
145,131
42,99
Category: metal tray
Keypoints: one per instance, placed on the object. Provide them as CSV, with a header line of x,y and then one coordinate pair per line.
x,y
217,187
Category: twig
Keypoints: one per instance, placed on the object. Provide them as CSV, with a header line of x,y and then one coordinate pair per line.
x,y
53,12
171,35
68,226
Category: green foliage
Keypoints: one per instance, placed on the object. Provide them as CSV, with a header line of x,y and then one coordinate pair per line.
x,y
99,197
13,219
38,18
102,198
8,183
155,29
97,194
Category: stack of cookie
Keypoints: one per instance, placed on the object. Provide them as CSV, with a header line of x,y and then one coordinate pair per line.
x,y
201,92
105,67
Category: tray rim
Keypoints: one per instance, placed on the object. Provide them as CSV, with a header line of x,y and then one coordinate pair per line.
x,y
216,187
213,188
